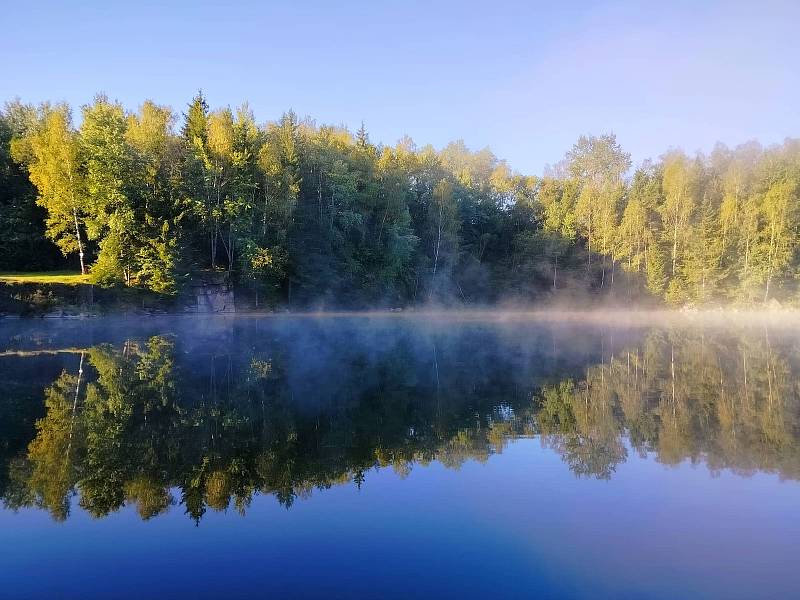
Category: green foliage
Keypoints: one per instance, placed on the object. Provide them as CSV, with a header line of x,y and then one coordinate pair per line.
x,y
21,220
136,422
315,215
50,150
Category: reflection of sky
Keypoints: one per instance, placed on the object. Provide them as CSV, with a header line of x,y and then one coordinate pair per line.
x,y
519,524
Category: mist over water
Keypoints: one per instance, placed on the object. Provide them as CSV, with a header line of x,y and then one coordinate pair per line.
x,y
505,450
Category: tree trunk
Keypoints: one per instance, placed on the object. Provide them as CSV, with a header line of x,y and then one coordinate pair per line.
x,y
80,243
74,407
603,273
75,219
555,272
672,369
438,242
674,248
769,266
266,208
589,245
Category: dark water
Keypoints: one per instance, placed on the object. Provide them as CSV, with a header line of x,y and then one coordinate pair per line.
x,y
397,457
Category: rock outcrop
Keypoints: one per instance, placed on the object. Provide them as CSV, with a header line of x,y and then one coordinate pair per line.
x,y
213,293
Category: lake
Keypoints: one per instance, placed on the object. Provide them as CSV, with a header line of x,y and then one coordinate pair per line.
x,y
398,456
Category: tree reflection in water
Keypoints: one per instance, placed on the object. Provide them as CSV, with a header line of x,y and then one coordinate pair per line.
x,y
140,423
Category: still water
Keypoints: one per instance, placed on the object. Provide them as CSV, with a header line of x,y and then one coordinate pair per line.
x,y
386,456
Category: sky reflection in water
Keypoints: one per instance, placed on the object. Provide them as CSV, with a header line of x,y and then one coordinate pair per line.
x,y
396,457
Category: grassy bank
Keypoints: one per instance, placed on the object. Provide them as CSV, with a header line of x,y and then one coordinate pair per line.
x,y
66,293
49,277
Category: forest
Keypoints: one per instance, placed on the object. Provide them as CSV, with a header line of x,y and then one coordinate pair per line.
x,y
305,215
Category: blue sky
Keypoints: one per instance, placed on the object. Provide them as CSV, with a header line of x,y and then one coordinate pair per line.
x,y
524,78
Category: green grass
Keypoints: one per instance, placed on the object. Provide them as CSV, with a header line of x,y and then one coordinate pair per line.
x,y
62,277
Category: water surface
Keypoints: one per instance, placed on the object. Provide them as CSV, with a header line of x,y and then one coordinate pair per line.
x,y
387,456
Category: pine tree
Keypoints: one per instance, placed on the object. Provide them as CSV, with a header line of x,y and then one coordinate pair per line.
x,y
362,137
656,269
702,269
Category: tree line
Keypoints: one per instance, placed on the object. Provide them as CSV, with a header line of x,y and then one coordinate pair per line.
x,y
298,213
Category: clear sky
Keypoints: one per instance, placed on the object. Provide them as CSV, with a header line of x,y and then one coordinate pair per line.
x,y
524,78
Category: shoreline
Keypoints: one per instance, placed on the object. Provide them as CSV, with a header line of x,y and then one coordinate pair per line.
x,y
729,316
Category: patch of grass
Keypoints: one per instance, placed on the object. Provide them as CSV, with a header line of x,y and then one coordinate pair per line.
x,y
61,277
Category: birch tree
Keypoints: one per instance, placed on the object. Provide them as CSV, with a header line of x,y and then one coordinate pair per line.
x,y
679,185
51,153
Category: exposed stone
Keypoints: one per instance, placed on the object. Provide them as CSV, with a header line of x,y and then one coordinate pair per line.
x,y
213,294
